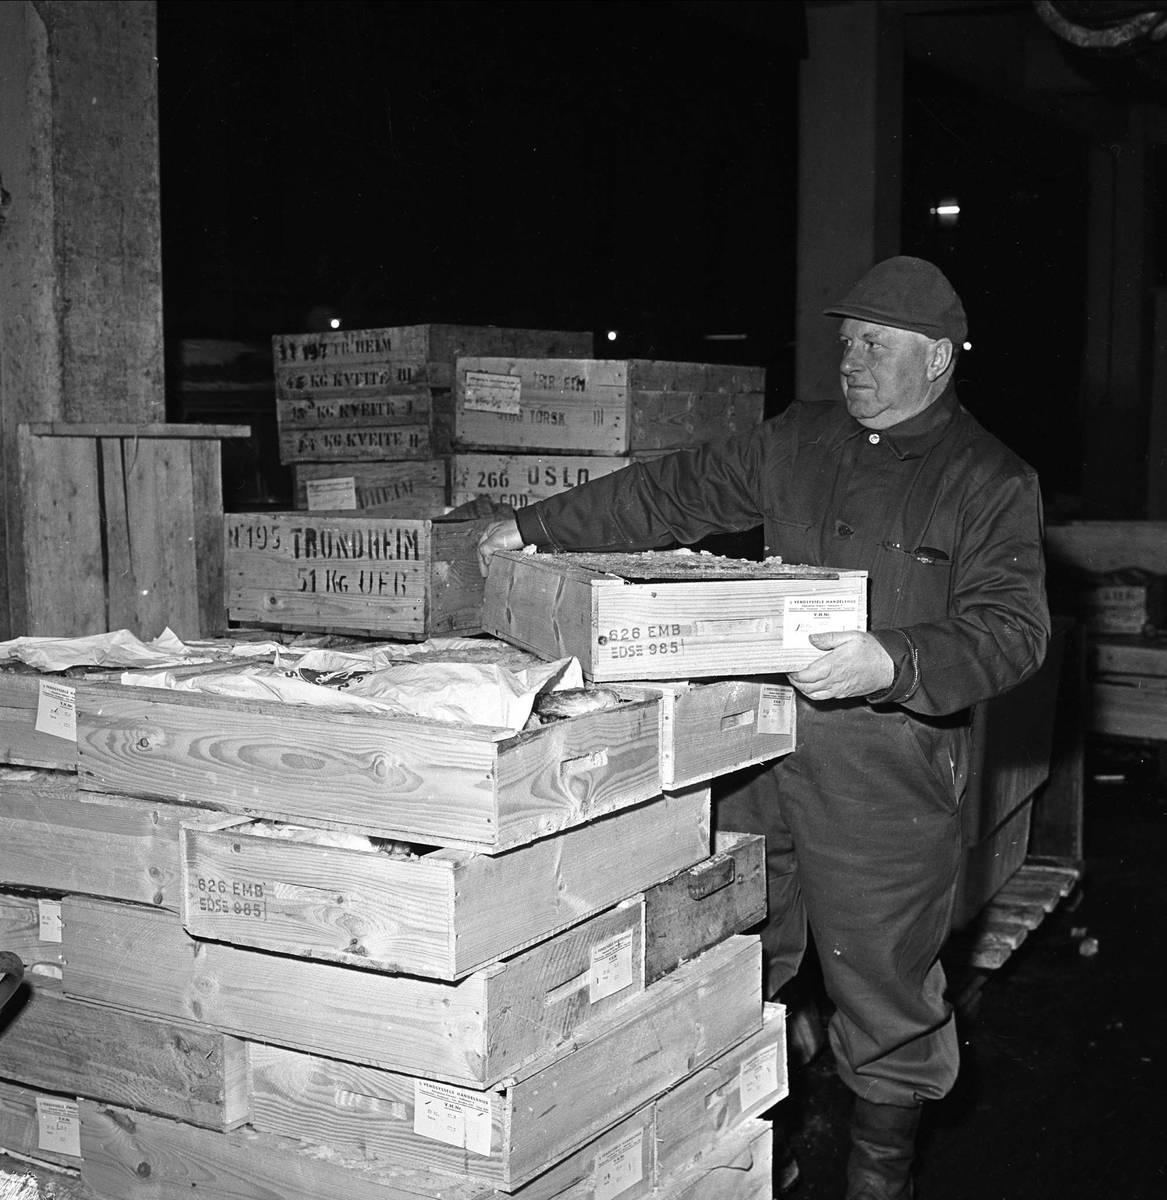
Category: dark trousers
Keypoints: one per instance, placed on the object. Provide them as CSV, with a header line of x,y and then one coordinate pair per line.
x,y
863,841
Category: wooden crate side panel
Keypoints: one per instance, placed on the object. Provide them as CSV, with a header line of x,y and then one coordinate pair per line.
x,y
135,1156
1100,546
455,588
694,1117
671,420
345,347
360,1110
318,902
178,1069
207,464
573,771
704,904
522,479
57,838
567,405
538,889
1128,708
376,485
21,932
712,729
21,743
986,867
142,959
372,394
368,443
664,375
20,1127
683,1022
739,1167
416,781
64,572
686,630
547,612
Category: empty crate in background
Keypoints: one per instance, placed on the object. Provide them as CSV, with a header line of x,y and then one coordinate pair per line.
x,y
600,406
371,394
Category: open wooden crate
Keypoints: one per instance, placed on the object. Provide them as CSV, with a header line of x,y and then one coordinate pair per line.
x,y
669,615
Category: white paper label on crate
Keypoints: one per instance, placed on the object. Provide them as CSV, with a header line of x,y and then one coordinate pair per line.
x,y
49,920
757,1078
776,709
619,1166
58,1126
488,392
804,615
611,967
56,710
332,495
452,1115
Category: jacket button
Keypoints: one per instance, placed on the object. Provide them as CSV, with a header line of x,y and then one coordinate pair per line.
x,y
843,529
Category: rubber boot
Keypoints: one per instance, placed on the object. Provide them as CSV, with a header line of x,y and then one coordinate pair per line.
x,y
883,1143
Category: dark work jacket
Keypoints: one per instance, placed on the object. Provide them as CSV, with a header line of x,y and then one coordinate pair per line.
x,y
945,519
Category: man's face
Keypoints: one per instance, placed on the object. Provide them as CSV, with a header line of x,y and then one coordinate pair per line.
x,y
884,372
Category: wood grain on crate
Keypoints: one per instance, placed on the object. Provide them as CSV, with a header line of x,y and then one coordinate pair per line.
x,y
21,742
20,1129
601,406
522,479
176,1068
387,577
443,915
469,786
55,837
1019,907
396,489
1128,706
554,1104
21,932
668,616
739,1167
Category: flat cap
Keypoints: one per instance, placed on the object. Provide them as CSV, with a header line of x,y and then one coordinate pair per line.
x,y
906,293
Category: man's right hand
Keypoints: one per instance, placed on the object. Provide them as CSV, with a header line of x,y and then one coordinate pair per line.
x,y
500,534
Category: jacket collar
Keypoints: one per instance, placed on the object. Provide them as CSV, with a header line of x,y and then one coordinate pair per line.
x,y
915,436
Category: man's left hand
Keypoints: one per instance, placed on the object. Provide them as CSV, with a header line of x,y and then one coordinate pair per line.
x,y
855,665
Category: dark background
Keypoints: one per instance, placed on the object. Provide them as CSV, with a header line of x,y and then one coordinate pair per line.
x,y
600,166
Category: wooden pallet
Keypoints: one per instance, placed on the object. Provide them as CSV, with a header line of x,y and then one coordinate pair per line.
x,y
1019,907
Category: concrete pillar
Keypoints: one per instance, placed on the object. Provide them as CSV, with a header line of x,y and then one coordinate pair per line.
x,y
850,135
80,256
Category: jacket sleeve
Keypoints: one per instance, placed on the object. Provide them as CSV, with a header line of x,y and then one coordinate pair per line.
x,y
680,497
998,625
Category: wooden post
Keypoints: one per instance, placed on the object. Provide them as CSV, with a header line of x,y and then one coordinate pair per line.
x,y
80,256
850,134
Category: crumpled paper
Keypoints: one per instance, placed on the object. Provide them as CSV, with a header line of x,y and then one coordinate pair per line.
x,y
117,649
459,693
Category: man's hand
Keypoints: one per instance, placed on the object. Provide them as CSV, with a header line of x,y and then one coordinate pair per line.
x,y
501,534
855,665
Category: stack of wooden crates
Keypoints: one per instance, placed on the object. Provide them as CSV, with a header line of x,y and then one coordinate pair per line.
x,y
549,995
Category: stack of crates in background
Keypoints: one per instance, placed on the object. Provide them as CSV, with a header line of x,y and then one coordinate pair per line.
x,y
278,949
528,428
365,416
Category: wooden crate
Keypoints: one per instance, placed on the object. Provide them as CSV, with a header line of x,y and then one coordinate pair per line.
x,y
123,528
22,692
389,489
380,576
56,838
472,1033
430,782
552,1107
442,915
702,905
742,1083
668,615
600,406
1102,546
31,1125
176,1068
1128,688
986,867
376,394
522,479
710,729
739,1166
31,927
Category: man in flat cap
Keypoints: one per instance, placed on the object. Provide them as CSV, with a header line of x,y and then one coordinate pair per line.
x,y
862,820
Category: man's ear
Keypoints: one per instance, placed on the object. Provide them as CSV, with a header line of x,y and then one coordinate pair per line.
x,y
939,358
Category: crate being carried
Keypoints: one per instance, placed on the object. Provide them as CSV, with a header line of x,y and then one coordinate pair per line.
x,y
598,406
670,614
377,394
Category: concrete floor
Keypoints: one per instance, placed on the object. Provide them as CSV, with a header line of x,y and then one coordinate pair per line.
x,y
1061,1090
